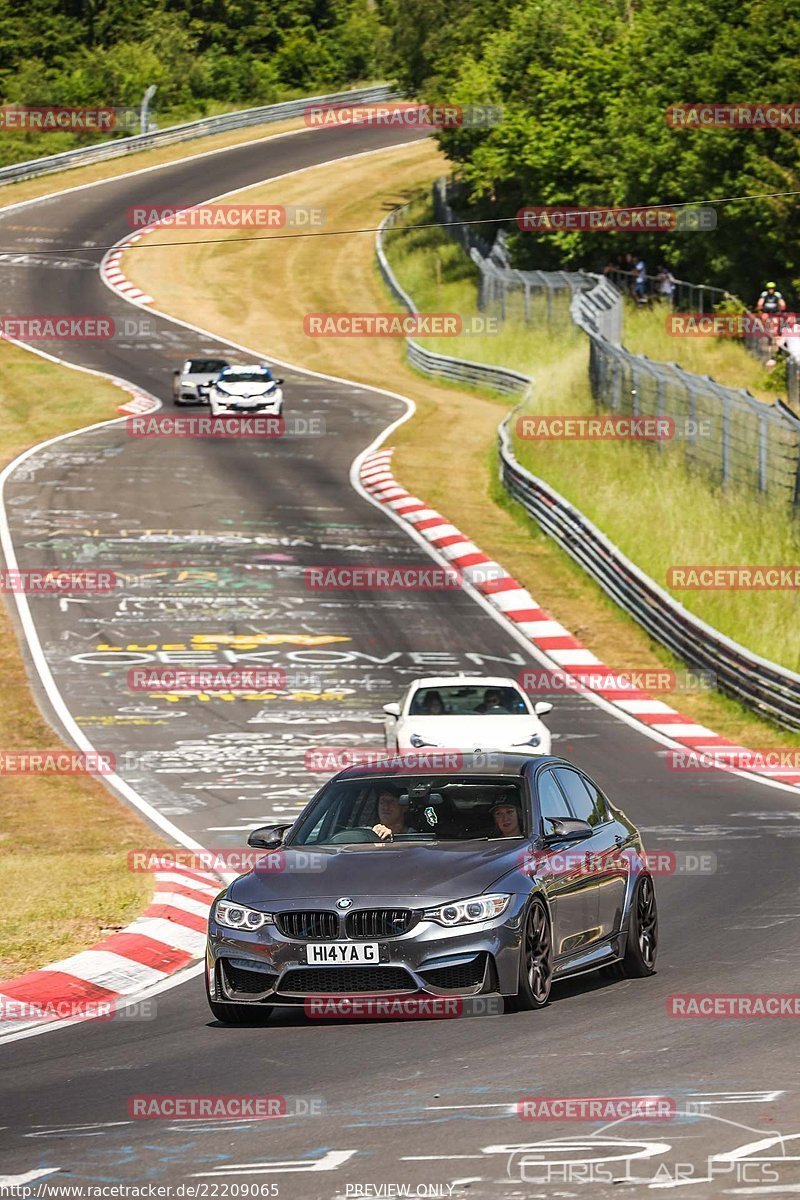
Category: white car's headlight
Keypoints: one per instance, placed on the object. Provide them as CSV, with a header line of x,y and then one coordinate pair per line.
x,y
418,742
469,912
533,740
236,916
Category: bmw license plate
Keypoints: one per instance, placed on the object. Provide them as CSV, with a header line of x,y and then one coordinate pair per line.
x,y
337,954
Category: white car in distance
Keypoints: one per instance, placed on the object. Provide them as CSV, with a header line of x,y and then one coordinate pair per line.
x,y
190,383
467,712
246,389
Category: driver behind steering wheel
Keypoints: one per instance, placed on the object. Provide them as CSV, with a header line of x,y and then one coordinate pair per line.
x,y
392,815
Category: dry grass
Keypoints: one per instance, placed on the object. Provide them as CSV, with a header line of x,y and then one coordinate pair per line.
x,y
724,359
284,280
63,838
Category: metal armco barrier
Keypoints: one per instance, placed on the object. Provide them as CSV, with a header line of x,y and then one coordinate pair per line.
x,y
444,366
763,686
184,133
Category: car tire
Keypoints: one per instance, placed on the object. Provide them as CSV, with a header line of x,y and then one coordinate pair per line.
x,y
535,960
641,947
238,1014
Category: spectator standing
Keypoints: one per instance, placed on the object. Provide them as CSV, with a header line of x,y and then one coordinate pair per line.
x,y
665,285
640,286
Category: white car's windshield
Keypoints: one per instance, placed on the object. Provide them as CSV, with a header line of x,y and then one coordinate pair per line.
x,y
466,700
414,809
247,377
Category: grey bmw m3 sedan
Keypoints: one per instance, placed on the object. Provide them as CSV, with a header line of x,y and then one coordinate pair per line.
x,y
435,875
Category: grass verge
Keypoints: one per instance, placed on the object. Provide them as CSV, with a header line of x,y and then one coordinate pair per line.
x,y
724,359
285,280
64,838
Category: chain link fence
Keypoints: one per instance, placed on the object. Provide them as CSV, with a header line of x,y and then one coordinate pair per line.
x,y
729,435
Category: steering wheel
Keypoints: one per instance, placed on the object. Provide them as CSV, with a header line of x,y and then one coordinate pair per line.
x,y
362,833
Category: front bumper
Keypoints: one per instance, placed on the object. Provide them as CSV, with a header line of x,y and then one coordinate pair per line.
x,y
271,405
267,968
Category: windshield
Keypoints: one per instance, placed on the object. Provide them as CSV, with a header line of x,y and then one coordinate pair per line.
x,y
204,366
246,377
466,700
415,808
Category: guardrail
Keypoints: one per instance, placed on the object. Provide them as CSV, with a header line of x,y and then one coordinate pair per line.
x,y
443,366
758,683
183,133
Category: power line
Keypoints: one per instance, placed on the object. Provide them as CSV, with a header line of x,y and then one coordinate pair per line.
x,y
323,233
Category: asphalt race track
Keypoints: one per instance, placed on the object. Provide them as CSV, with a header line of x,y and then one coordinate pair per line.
x,y
211,539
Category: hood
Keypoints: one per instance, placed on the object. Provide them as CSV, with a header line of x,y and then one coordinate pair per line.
x,y
409,875
247,389
477,732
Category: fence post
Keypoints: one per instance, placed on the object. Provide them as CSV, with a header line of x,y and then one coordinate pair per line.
x,y
763,443
726,439
661,407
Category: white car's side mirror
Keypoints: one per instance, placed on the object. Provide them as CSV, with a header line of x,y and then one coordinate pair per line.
x,y
392,710
542,707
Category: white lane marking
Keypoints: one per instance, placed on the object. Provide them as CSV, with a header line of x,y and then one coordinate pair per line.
x,y
767,1189
7,1181
94,1130
736,1097
328,1162
509,1104
73,731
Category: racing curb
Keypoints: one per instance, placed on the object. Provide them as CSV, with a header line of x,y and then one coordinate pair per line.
x,y
549,636
111,273
168,936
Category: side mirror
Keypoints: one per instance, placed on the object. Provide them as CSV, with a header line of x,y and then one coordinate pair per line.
x,y
566,829
392,710
268,837
542,707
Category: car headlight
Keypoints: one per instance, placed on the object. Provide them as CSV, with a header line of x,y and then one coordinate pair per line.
x,y
236,916
533,740
469,912
418,742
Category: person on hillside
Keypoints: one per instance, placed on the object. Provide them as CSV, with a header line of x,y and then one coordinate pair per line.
x,y
640,286
770,303
771,300
665,285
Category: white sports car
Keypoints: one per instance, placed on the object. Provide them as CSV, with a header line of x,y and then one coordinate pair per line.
x,y
246,389
467,712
